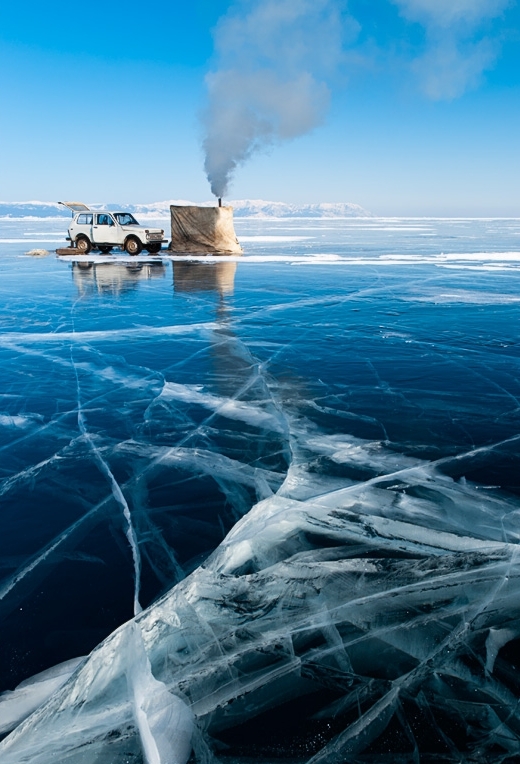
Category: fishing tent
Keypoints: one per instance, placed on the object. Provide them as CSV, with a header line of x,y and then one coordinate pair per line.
x,y
203,230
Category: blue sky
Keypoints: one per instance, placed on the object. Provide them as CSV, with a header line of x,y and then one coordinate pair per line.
x,y
419,115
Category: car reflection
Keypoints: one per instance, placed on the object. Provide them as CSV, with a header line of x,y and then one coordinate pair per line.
x,y
113,278
204,277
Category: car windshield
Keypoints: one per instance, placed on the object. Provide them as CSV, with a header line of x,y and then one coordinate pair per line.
x,y
124,218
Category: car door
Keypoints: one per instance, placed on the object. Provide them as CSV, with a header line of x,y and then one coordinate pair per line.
x,y
104,230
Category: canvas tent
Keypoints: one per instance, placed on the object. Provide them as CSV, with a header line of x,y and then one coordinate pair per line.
x,y
203,230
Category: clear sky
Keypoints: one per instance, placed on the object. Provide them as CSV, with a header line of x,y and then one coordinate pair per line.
x,y
417,102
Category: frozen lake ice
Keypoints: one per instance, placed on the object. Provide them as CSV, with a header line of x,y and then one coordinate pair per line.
x,y
277,496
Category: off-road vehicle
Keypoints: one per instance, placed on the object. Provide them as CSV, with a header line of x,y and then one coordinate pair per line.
x,y
105,229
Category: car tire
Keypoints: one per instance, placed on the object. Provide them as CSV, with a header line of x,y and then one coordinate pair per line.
x,y
83,245
153,249
133,246
105,250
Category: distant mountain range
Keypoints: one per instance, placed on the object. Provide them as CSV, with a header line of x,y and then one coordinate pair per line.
x,y
243,208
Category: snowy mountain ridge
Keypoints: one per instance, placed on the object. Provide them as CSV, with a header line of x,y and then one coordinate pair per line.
x,y
243,208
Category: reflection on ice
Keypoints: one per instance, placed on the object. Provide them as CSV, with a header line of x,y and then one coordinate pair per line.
x,y
113,278
196,277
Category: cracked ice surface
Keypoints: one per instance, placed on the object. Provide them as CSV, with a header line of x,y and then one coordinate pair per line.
x,y
346,441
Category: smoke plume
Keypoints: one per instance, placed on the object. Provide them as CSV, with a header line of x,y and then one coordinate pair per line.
x,y
274,60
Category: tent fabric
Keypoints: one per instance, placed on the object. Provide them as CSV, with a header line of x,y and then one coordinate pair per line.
x,y
203,230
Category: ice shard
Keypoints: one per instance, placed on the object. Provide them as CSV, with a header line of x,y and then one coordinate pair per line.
x,y
18,704
164,722
366,607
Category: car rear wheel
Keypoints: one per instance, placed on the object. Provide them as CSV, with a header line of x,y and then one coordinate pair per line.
x,y
105,250
83,245
154,248
133,246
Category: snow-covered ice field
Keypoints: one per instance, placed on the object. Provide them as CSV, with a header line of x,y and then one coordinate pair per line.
x,y
277,496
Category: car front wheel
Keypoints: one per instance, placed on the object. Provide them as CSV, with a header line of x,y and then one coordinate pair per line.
x,y
154,248
83,245
133,246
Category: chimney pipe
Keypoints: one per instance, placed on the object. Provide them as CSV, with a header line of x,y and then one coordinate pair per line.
x,y
220,201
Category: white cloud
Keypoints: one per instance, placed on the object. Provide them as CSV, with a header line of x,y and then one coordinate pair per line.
x,y
457,52
276,59
447,71
449,13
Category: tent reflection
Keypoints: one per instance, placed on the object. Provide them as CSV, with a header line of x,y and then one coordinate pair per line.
x,y
204,277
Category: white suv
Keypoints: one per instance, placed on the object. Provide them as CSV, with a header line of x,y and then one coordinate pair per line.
x,y
104,229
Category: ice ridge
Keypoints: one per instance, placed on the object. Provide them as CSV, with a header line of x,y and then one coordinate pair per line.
x,y
369,595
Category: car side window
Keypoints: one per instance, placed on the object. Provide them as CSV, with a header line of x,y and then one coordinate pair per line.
x,y
104,220
84,220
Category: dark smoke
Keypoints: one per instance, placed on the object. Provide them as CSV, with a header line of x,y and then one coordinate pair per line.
x,y
274,60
